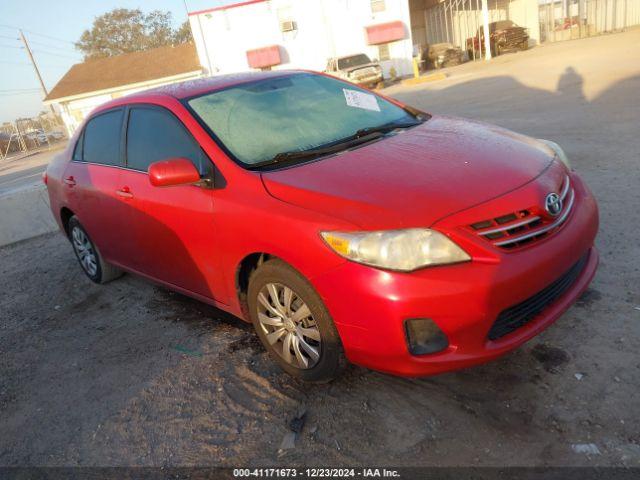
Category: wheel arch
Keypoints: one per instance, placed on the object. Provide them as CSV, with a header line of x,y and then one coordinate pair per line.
x,y
65,215
243,272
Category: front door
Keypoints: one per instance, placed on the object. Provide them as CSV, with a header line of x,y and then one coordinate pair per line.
x,y
174,227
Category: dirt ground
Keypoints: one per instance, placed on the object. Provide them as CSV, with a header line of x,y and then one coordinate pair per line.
x,y
131,374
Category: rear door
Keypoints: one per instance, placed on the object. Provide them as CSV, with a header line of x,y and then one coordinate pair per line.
x,y
174,226
90,180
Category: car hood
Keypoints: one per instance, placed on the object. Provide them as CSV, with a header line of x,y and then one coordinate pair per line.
x,y
416,177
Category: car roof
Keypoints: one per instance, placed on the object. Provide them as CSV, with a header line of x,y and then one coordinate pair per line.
x,y
199,86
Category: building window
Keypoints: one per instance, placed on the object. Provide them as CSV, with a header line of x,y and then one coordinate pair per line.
x,y
383,52
377,6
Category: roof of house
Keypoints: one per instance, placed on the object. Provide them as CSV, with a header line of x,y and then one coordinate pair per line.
x,y
129,68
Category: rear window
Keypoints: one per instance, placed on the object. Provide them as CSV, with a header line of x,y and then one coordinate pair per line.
x,y
102,139
354,61
77,151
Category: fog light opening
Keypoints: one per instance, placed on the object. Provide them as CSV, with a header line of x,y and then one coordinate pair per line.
x,y
424,336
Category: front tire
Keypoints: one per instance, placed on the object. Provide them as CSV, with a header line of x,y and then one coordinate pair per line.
x,y
293,324
88,255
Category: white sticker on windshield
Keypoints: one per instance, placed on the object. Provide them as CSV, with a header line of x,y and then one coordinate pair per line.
x,y
363,100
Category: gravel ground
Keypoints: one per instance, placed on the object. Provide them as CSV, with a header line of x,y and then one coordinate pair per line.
x,y
131,374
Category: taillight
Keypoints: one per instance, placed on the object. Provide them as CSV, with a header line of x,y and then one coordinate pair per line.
x,y
45,178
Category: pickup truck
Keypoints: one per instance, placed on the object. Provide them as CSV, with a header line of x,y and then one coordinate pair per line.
x,y
358,69
504,35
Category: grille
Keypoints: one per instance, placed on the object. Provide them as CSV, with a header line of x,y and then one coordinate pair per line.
x,y
515,317
517,229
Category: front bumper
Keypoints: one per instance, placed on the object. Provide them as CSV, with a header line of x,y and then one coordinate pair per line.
x,y
370,306
368,80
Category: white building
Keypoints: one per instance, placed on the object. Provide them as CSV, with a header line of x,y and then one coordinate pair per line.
x,y
306,33
302,34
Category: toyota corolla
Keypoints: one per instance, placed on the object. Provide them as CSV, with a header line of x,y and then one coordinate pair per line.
x,y
344,225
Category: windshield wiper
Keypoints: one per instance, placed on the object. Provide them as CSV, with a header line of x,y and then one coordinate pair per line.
x,y
342,144
387,127
363,135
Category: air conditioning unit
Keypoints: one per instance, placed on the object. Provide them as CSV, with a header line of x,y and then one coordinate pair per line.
x,y
288,26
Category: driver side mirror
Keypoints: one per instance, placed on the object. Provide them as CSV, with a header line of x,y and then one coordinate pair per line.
x,y
173,172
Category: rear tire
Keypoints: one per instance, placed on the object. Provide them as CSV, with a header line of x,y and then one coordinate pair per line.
x,y
88,255
293,324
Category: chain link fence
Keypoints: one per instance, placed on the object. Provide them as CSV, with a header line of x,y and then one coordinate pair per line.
x,y
30,134
571,19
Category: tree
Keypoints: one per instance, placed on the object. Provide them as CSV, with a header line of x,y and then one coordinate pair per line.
x,y
123,31
183,34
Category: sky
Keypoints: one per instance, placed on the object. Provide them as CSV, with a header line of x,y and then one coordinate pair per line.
x,y
51,28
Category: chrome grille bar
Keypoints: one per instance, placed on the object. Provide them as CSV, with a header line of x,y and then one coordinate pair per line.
x,y
510,226
546,228
565,187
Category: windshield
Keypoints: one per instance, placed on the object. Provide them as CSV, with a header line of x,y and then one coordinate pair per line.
x,y
354,61
259,120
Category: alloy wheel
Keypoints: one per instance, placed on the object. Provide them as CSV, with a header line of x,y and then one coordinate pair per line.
x,y
289,326
85,251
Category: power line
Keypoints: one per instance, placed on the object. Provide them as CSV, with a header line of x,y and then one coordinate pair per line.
x,y
11,46
28,64
10,38
46,52
19,90
38,34
19,93
45,44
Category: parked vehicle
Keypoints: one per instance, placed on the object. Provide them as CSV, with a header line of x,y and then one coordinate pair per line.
x,y
504,36
37,136
55,135
358,69
344,225
441,55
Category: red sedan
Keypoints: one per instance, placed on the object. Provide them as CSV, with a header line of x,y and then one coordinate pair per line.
x,y
344,225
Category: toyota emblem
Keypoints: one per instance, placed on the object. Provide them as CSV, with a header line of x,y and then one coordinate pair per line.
x,y
553,204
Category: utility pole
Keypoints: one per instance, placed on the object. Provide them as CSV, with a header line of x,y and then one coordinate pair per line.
x,y
204,40
35,67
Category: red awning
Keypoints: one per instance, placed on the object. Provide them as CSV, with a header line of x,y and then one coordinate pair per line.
x,y
385,32
264,57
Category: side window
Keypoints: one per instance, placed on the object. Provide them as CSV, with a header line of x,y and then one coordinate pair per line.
x,y
154,135
102,139
77,151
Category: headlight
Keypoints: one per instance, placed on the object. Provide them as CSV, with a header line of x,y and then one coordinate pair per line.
x,y
558,151
403,250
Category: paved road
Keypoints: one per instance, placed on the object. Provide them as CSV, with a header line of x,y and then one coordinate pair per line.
x,y
23,173
129,374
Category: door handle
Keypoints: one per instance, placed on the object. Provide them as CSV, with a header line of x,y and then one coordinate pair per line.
x,y
70,180
124,192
